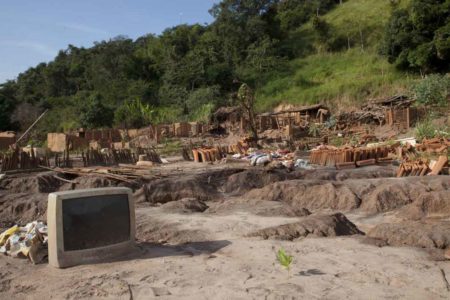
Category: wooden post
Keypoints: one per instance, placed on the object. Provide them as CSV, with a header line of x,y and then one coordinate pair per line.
x,y
407,118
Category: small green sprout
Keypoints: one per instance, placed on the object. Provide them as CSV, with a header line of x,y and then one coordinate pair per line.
x,y
284,259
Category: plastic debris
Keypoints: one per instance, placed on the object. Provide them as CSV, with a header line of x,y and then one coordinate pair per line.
x,y
302,163
29,241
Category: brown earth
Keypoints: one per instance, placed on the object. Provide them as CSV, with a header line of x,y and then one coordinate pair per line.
x,y
200,223
319,226
202,187
245,181
369,195
257,207
186,205
417,234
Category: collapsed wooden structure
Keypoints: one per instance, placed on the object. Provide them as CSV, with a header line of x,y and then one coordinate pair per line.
x,y
398,111
422,167
300,116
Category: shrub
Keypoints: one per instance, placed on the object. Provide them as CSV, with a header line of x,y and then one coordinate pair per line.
x,y
134,114
433,90
425,129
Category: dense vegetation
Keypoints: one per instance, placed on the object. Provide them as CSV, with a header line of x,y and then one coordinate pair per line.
x,y
293,50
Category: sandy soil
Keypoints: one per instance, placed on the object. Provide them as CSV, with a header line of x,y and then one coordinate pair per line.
x,y
209,255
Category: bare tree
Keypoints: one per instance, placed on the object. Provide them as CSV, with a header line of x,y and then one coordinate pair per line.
x,y
246,98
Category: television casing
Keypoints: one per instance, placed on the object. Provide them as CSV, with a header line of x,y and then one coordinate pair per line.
x,y
60,258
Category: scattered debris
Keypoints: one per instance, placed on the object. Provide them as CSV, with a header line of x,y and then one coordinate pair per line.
x,y
29,241
346,156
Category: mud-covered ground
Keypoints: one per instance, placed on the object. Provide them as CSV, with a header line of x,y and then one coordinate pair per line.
x,y
212,232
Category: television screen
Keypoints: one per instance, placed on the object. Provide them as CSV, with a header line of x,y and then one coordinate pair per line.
x,y
96,221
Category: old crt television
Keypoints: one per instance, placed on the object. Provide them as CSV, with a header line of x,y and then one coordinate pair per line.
x,y
88,226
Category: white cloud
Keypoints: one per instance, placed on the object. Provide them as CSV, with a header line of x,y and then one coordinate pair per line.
x,y
83,28
31,45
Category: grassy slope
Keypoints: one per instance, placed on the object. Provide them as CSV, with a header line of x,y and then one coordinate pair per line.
x,y
345,77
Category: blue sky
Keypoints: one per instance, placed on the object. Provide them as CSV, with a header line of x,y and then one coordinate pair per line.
x,y
32,31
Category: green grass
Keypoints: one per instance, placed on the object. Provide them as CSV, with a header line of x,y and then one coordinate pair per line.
x,y
170,147
339,78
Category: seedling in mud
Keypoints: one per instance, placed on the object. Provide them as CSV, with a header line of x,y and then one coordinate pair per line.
x,y
284,259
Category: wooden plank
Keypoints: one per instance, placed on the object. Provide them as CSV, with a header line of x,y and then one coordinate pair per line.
x,y
440,164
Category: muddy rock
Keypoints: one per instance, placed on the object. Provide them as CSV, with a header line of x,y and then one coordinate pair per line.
x,y
187,205
315,225
417,234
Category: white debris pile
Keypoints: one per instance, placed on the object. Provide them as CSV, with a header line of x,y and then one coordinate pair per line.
x,y
29,241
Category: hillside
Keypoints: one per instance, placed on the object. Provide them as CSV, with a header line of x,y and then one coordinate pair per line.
x,y
291,51
348,76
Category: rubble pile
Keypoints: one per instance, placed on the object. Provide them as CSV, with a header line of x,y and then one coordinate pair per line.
x,y
428,158
422,167
435,145
349,157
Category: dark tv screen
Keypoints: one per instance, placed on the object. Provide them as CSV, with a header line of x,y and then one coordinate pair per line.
x,y
97,221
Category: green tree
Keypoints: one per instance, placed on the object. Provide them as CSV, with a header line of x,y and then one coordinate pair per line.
x,y
418,37
433,90
95,114
7,105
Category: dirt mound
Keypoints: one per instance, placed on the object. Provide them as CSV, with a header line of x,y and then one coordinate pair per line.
x,y
256,178
187,205
432,204
417,234
309,194
91,182
341,175
319,226
173,189
381,195
283,210
48,183
39,183
203,187
22,208
369,195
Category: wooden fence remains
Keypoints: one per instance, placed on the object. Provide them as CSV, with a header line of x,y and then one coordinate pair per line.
x,y
115,157
19,160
